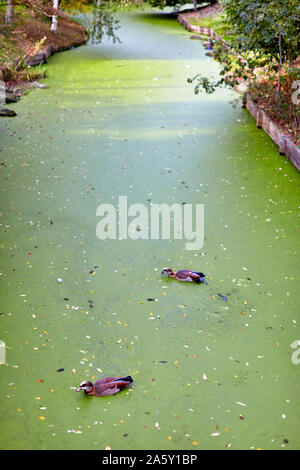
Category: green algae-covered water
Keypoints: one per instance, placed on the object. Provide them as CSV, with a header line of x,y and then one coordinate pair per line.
x,y
212,364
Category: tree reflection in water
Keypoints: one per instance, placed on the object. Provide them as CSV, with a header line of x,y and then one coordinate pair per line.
x,y
103,22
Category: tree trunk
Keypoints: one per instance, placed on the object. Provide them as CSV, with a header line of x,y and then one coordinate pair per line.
x,y
54,17
279,70
294,118
195,4
9,12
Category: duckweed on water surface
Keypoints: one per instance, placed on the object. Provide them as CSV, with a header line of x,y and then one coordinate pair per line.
x,y
211,364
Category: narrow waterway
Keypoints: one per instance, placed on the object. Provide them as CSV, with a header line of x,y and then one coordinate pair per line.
x,y
212,364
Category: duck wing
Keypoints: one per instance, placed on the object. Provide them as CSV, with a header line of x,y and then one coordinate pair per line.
x,y
201,277
127,379
200,274
188,275
114,385
183,273
104,380
108,391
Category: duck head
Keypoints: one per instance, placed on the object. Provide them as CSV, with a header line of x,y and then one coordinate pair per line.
x,y
167,272
87,386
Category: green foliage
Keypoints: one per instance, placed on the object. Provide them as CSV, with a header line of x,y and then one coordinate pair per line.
x,y
265,40
88,5
76,5
204,83
259,23
219,23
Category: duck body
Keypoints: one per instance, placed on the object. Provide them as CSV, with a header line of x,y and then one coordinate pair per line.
x,y
185,275
105,386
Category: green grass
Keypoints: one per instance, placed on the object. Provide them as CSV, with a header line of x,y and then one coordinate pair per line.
x,y
11,54
219,24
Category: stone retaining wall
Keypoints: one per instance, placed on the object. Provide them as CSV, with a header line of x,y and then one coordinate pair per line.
x,y
41,58
285,145
200,29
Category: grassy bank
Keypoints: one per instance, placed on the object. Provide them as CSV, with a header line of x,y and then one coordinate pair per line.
x,y
212,17
30,34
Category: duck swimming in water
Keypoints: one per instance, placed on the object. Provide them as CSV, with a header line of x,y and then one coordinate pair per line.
x,y
185,275
105,386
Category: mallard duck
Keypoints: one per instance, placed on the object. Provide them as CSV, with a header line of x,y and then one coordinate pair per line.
x,y
105,386
186,275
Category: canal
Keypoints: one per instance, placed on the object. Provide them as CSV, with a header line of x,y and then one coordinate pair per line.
x,y
212,364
